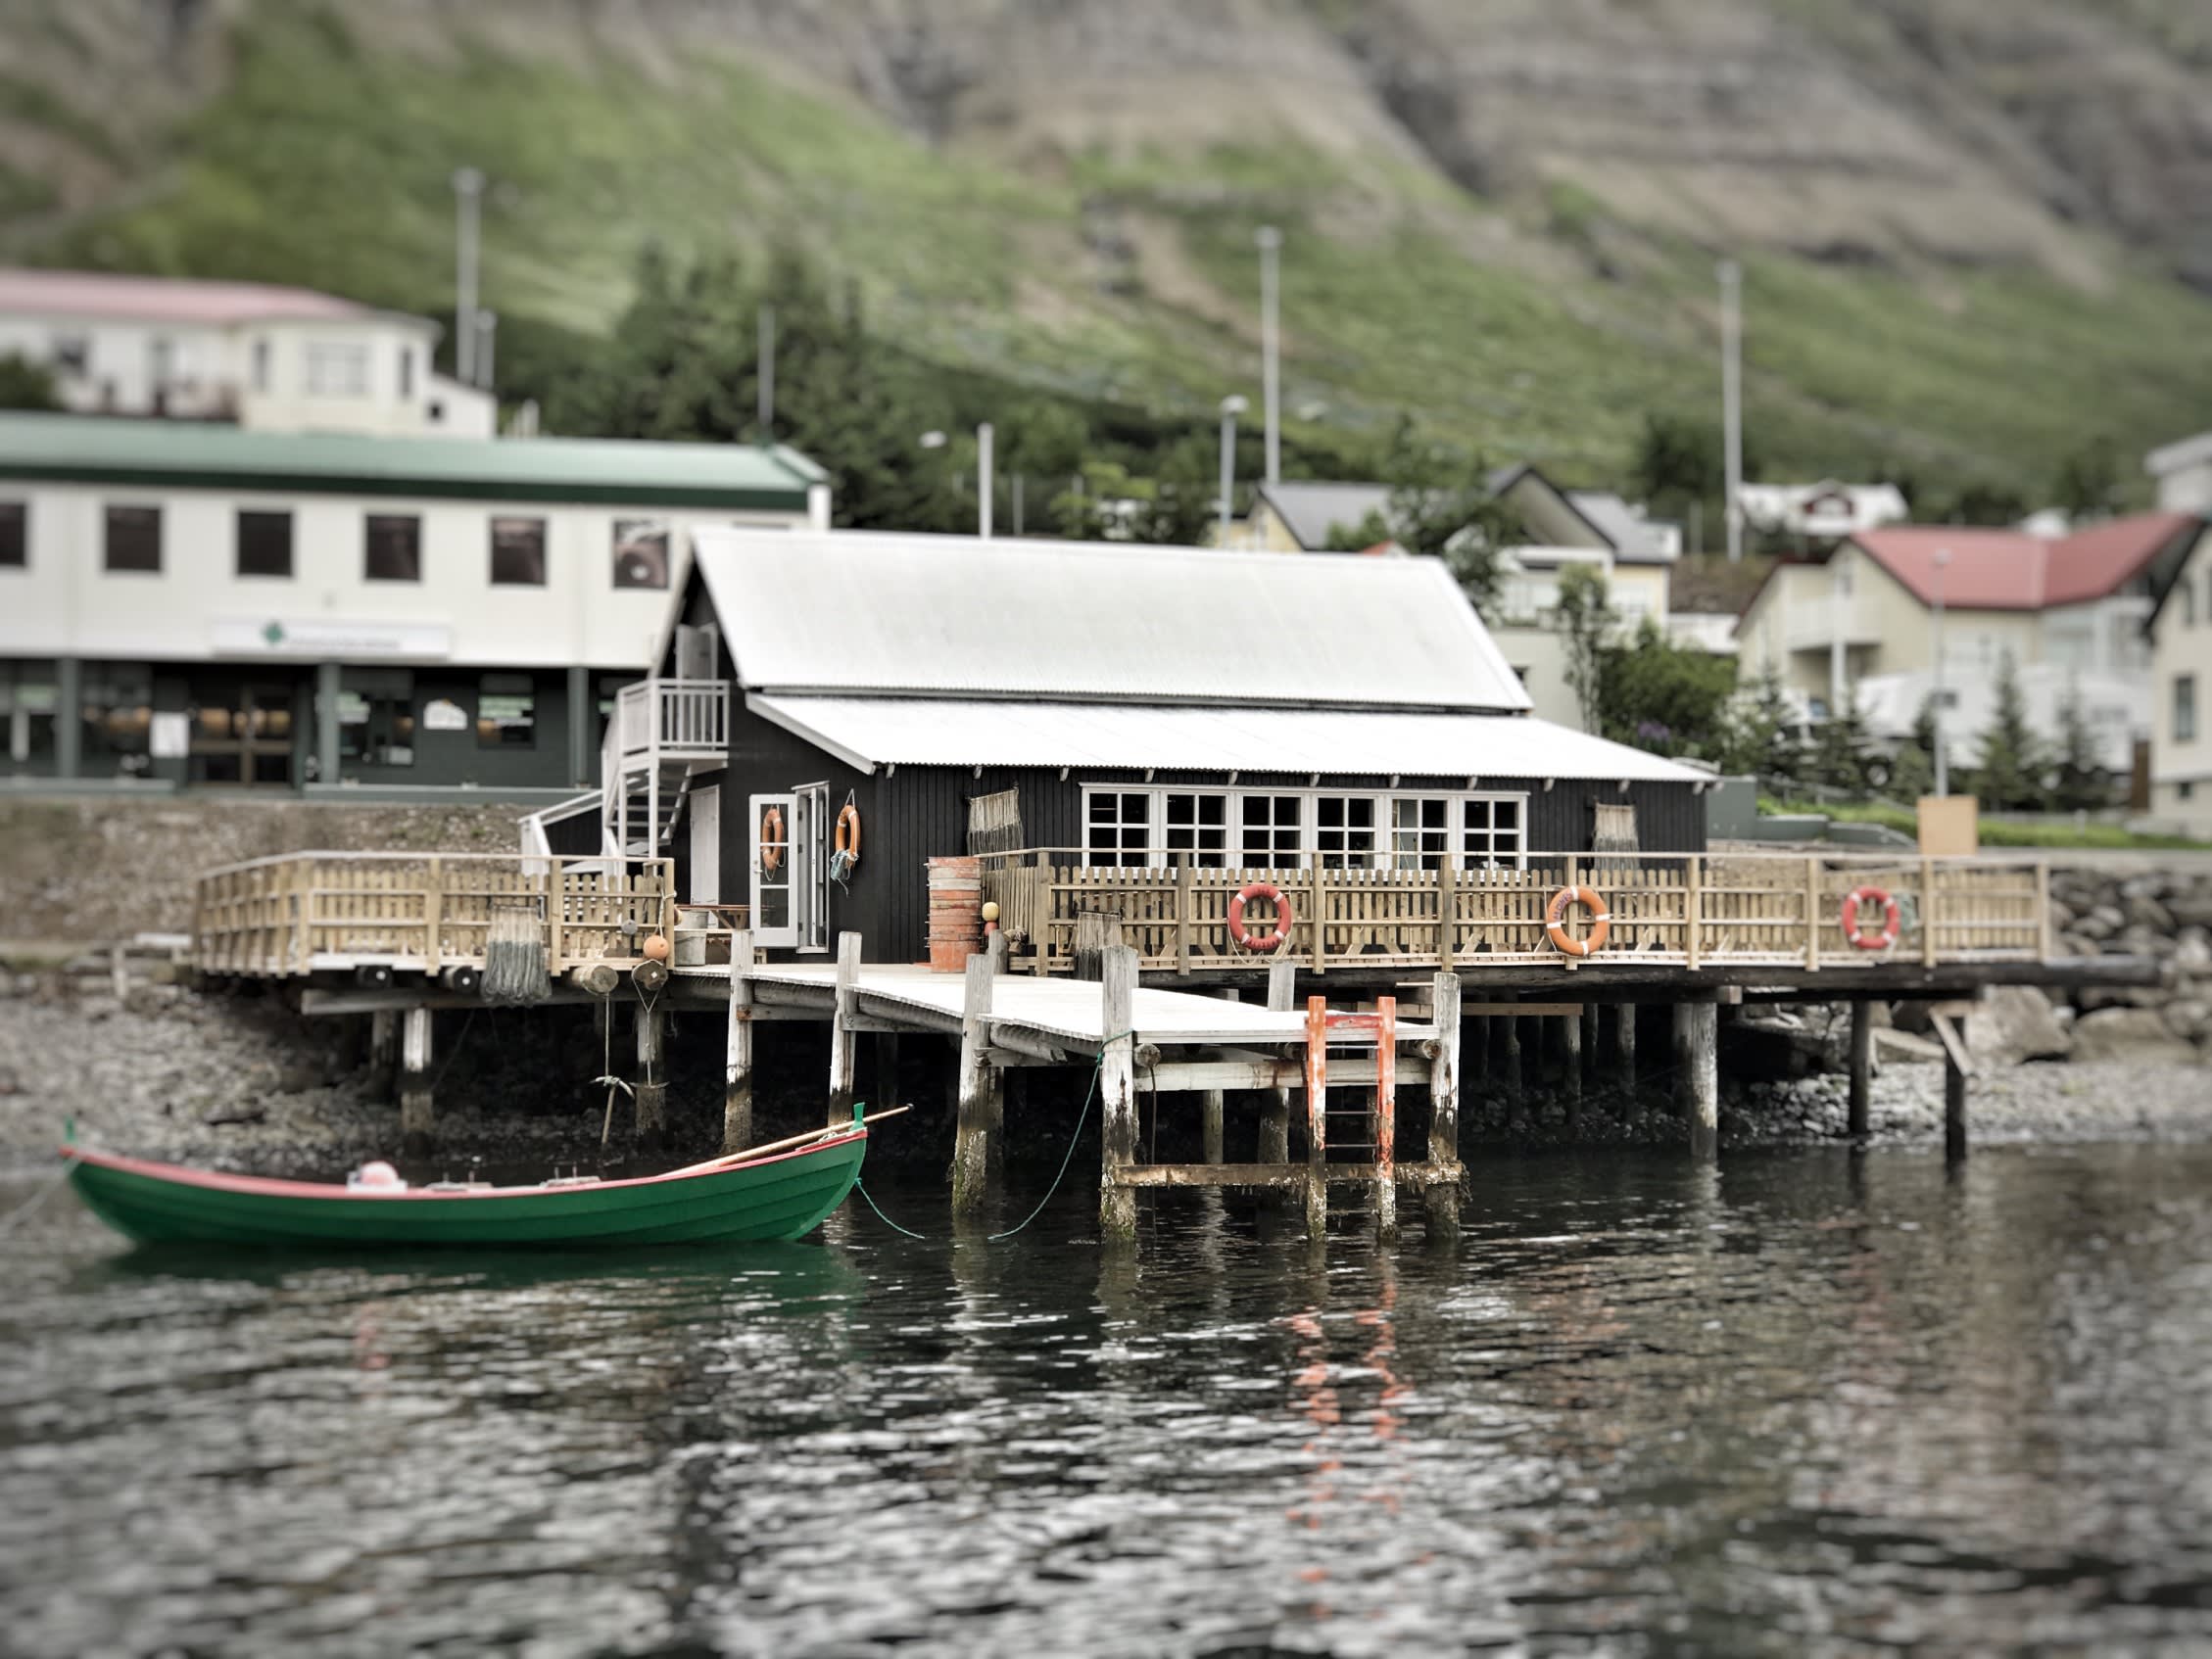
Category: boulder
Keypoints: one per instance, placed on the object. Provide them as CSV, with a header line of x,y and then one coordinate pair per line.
x,y
2192,908
2193,952
2143,911
2137,1035
2188,1019
2015,1023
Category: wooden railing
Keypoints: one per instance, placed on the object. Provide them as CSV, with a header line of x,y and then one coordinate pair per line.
x,y
1674,908
675,719
299,913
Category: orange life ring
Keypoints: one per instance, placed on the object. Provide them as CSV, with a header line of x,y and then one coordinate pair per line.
x,y
848,833
772,840
1891,923
1555,926
1283,918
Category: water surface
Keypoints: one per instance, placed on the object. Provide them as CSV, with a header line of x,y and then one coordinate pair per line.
x,y
1807,1403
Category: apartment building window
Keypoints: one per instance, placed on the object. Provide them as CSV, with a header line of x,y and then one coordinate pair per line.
x,y
15,536
2185,708
641,552
506,712
1198,824
265,543
393,544
337,368
1118,827
72,352
134,539
1273,832
519,553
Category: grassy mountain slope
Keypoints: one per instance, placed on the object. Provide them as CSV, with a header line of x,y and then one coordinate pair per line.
x,y
1085,238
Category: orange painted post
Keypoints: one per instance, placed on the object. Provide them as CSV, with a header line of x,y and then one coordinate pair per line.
x,y
1316,1118
1386,1118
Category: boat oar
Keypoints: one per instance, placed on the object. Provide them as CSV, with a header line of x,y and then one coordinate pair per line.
x,y
787,1142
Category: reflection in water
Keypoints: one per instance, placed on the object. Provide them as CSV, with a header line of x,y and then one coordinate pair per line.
x,y
1809,1403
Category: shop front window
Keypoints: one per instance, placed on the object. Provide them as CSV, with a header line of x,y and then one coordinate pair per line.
x,y
375,718
116,720
29,698
506,712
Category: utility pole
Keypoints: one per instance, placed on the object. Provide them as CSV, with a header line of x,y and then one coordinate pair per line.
x,y
1936,693
487,331
1732,400
1270,241
767,374
982,480
1231,406
469,199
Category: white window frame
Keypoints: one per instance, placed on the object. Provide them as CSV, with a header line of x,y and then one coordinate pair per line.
x,y
1155,854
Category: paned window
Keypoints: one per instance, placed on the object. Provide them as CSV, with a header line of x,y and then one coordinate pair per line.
x,y
519,553
506,712
116,720
1118,827
1493,831
376,717
134,539
1198,824
394,547
2185,708
1274,832
1420,833
337,368
1344,831
265,543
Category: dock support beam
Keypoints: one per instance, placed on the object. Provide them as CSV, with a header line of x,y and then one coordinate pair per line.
x,y
1117,1091
1443,1201
1570,1052
737,1078
971,1132
1274,1106
844,1041
1697,1061
1861,1069
1509,1073
1383,1119
1317,1119
653,1072
1954,1087
1625,1044
383,1046
417,1118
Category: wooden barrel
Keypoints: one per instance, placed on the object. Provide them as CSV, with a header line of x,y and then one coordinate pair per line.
x,y
957,920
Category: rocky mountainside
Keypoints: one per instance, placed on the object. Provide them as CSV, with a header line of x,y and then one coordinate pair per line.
x,y
1977,232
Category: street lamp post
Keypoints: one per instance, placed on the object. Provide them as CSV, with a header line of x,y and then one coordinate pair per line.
x,y
1732,400
1270,241
468,198
1936,651
933,440
1231,406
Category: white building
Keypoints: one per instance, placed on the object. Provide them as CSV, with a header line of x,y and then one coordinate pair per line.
x,y
2115,706
1825,511
2184,472
187,603
2180,631
277,359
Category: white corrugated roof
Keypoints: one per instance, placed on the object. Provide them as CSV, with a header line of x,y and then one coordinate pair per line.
x,y
854,611
870,732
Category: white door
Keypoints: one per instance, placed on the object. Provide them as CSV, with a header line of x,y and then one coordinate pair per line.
x,y
775,917
811,867
706,845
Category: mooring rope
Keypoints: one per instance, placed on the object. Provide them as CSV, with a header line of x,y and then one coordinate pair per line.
x,y
1098,1066
606,1060
53,1183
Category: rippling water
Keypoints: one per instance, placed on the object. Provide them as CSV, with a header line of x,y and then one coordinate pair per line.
x,y
1807,1404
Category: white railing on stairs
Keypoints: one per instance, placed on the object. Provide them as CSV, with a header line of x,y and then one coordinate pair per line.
x,y
672,720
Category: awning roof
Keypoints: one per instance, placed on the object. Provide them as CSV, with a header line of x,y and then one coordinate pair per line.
x,y
863,613
873,732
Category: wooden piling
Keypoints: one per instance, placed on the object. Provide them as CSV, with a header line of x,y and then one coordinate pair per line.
x,y
1625,1044
383,1046
653,1072
1955,1072
1861,1069
1589,1034
736,1076
1116,1094
1442,1199
1097,932
844,1041
1697,1059
1383,1119
417,1119
1509,1066
882,1076
1316,1118
1274,1106
971,1141
1571,1061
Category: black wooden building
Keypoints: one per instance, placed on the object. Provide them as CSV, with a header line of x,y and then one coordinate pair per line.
x,y
1122,705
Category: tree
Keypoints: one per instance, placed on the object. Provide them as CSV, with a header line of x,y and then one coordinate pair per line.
x,y
27,385
1440,506
1586,621
2011,765
2082,783
1661,695
1912,769
1839,754
1680,459
2089,481
1758,735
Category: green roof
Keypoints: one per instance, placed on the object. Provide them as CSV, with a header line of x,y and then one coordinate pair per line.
x,y
176,453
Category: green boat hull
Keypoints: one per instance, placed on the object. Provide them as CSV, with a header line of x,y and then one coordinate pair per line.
x,y
784,1196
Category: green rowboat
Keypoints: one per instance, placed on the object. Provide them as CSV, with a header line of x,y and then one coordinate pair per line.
x,y
769,1194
